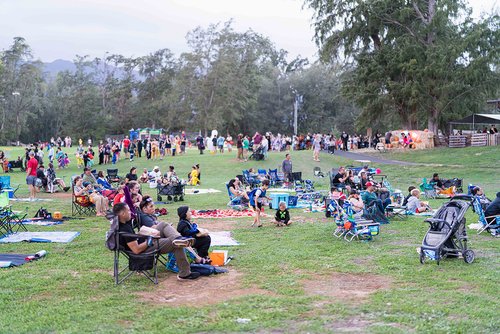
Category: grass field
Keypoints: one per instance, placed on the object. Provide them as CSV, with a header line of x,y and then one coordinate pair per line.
x,y
284,280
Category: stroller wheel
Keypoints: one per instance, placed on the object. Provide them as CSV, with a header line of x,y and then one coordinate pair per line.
x,y
181,198
169,198
159,198
422,257
175,199
469,256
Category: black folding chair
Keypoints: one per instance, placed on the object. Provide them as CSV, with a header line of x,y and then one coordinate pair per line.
x,y
145,263
112,176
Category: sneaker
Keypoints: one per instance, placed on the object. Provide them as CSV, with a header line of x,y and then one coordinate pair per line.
x,y
66,189
184,242
193,275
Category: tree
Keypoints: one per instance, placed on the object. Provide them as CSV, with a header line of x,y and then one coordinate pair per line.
x,y
417,59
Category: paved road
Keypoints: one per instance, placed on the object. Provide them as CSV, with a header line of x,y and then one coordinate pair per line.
x,y
361,156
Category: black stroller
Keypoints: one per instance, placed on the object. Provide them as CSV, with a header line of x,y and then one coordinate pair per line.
x,y
258,154
173,192
447,236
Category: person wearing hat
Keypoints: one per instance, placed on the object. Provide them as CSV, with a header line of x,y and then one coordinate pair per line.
x,y
85,189
190,230
370,198
155,174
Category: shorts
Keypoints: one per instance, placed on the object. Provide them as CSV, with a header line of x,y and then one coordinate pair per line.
x,y
258,206
31,180
221,147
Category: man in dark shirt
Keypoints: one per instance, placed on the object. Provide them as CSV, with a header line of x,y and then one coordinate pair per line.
x,y
286,167
169,241
340,178
438,184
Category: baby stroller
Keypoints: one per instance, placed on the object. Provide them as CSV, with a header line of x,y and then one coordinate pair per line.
x,y
258,154
447,236
173,192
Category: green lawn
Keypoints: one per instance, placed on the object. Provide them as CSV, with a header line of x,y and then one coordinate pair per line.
x,y
298,279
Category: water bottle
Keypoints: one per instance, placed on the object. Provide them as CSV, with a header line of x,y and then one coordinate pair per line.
x,y
40,254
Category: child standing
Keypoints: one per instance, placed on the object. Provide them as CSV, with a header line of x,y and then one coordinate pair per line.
x,y
257,197
282,217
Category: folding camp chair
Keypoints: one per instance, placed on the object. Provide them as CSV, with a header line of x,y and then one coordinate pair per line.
x,y
112,176
262,173
80,205
275,178
6,186
317,172
488,223
234,201
249,180
10,221
145,263
427,189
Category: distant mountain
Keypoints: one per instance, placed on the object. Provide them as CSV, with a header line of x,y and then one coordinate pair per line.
x,y
59,65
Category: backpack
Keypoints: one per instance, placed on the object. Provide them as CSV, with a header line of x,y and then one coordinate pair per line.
x,y
206,269
43,213
112,234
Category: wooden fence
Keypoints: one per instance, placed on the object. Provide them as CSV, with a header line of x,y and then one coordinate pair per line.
x,y
476,140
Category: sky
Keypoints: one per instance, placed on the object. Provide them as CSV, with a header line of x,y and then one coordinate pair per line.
x,y
61,29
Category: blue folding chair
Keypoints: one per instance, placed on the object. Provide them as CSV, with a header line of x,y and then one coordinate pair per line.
x,y
6,186
488,223
234,201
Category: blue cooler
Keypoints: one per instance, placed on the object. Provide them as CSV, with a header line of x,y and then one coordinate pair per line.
x,y
276,198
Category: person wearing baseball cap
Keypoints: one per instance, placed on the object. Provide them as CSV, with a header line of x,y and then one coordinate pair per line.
x,y
370,198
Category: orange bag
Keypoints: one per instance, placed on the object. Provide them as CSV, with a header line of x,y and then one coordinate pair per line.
x,y
57,215
218,257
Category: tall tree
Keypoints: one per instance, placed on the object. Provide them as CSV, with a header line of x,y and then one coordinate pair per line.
x,y
416,58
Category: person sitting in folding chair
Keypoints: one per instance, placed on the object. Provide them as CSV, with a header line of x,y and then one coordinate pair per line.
x,y
170,241
236,189
492,211
479,193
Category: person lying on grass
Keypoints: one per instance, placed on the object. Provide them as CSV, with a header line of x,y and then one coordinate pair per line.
x,y
282,217
257,198
169,241
190,230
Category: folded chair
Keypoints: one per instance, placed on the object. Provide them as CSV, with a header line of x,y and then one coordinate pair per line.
x,y
10,221
490,223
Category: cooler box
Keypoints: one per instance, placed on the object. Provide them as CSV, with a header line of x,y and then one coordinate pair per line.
x,y
276,198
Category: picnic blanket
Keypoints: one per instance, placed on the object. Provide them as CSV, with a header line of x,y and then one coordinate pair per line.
x,y
28,199
41,222
63,237
192,191
222,238
12,260
222,213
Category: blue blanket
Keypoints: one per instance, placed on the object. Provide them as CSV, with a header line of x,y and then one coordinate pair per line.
x,y
40,237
